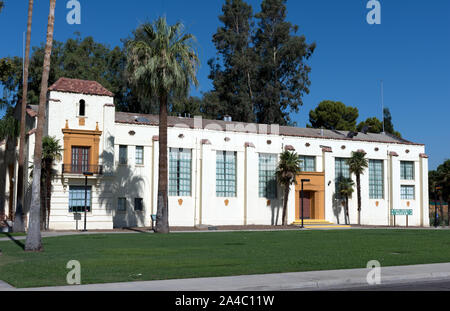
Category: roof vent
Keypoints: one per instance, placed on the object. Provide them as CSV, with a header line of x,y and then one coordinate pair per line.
x,y
227,118
352,135
366,129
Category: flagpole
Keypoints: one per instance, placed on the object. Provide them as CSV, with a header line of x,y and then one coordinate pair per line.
x,y
382,103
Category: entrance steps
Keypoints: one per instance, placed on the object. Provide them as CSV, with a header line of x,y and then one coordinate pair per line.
x,y
318,224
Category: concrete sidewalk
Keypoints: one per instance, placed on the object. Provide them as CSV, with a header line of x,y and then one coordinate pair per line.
x,y
318,280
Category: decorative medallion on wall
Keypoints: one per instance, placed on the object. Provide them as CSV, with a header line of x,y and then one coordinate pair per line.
x,y
181,136
343,147
180,202
227,139
269,142
377,203
132,133
407,151
227,202
308,145
377,149
408,204
268,202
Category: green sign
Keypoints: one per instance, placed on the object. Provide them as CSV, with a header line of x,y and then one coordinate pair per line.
x,y
402,212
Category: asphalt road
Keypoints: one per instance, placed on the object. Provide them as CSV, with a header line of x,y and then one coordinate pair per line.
x,y
442,285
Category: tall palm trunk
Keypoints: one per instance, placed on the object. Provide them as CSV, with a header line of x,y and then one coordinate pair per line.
x,y
285,203
358,189
18,217
48,192
33,241
162,218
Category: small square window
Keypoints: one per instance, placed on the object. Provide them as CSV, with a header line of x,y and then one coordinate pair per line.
x,y
408,193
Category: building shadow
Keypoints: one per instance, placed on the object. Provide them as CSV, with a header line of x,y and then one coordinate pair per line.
x,y
337,207
122,181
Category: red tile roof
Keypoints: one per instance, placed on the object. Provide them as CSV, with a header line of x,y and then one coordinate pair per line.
x,y
80,87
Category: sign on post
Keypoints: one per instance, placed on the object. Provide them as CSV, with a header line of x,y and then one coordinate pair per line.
x,y
402,212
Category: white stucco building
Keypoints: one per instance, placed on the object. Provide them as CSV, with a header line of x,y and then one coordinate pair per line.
x,y
221,173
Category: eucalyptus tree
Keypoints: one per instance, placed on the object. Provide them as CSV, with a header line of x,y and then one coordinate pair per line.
x,y
18,217
283,72
287,171
161,64
233,71
357,164
9,131
33,241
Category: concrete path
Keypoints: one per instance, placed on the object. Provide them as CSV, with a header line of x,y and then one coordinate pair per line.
x,y
319,280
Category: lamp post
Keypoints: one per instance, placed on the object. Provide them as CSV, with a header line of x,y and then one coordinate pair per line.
x,y
86,175
302,195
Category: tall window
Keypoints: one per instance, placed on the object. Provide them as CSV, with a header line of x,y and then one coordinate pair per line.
x,y
267,177
122,204
308,164
80,159
82,110
376,179
77,199
123,154
408,193
138,204
139,155
342,170
180,162
407,170
226,174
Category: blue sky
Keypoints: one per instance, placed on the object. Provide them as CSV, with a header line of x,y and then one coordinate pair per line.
x,y
409,51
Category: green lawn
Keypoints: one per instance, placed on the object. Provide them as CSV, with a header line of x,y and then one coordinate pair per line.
x,y
133,257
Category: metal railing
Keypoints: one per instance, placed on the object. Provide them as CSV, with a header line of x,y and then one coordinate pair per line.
x,y
81,169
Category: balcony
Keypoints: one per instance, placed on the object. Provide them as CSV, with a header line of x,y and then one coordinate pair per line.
x,y
81,169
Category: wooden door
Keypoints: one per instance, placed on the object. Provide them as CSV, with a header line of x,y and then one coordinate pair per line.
x,y
307,196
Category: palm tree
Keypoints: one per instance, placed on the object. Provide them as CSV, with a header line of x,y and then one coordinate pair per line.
x,y
33,241
287,171
345,189
18,217
162,63
357,164
51,151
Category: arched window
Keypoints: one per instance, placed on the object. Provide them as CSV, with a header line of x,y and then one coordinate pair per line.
x,y
82,111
